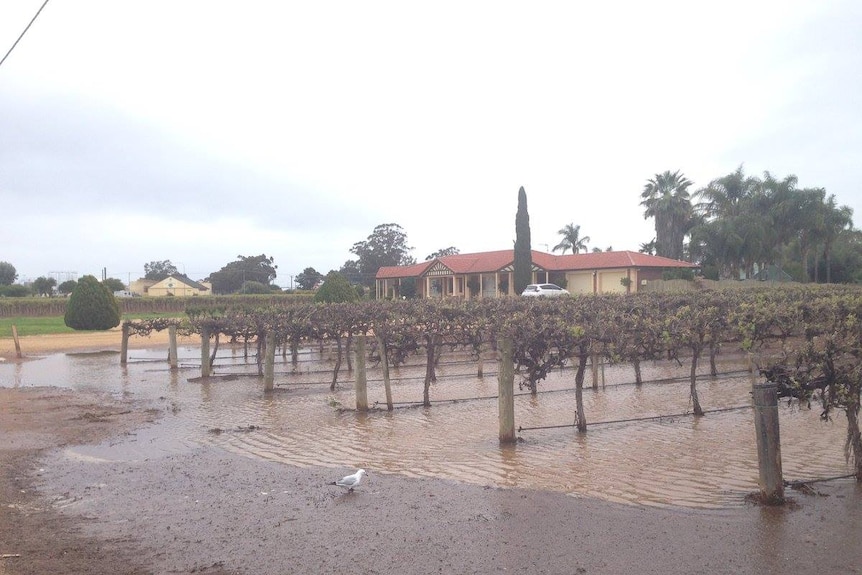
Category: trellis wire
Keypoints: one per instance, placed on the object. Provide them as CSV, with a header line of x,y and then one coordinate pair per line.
x,y
636,419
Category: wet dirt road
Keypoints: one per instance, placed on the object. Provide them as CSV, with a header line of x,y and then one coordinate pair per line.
x,y
227,480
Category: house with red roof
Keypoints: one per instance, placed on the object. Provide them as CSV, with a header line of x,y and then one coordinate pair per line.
x,y
491,274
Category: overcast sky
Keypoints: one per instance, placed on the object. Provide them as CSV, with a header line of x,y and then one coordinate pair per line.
x,y
197,131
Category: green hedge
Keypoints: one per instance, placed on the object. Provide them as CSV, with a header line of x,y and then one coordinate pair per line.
x,y
56,306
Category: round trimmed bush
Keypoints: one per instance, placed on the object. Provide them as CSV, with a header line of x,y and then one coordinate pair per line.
x,y
92,306
335,289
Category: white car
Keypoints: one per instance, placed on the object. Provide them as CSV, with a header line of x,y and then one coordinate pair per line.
x,y
544,290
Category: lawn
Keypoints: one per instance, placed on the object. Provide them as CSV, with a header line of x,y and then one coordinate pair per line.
x,y
55,324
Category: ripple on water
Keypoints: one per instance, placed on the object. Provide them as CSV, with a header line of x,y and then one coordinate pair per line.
x,y
677,460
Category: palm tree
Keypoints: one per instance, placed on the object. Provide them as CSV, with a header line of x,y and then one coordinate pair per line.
x,y
775,200
718,243
648,247
726,196
666,198
836,220
807,216
572,239
735,234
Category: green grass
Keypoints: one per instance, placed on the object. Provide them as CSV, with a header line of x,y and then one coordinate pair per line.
x,y
55,324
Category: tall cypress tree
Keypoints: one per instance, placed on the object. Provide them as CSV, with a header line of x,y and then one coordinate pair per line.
x,y
523,255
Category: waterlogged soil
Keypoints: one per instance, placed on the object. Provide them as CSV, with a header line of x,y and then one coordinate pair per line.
x,y
31,346
76,498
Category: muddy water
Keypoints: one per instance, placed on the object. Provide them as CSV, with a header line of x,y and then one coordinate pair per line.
x,y
673,460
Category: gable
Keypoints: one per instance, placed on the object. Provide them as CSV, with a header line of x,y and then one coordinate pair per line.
x,y
438,269
177,281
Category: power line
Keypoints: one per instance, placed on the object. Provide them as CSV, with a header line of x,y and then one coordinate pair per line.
x,y
39,11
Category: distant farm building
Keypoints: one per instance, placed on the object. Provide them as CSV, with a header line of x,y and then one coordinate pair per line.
x,y
174,285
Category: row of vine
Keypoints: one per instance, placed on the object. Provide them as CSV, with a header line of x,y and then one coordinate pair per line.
x,y
808,339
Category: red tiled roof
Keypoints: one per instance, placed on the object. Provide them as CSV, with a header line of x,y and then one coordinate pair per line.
x,y
483,262
489,262
605,260
391,272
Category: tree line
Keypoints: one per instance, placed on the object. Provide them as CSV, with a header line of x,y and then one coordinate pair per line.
x,y
733,227
738,223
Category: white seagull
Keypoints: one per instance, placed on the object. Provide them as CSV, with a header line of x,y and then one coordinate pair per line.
x,y
350,481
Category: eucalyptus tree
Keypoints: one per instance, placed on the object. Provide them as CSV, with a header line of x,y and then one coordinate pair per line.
x,y
8,274
450,251
67,287
572,239
230,277
159,270
44,286
308,278
386,246
665,197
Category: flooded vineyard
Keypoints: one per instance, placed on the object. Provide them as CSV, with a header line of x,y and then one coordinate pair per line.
x,y
673,459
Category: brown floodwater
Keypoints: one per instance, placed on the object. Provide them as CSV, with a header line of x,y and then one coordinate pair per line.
x,y
673,459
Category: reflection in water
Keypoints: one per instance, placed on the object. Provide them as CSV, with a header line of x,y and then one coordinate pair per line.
x,y
17,378
672,460
771,539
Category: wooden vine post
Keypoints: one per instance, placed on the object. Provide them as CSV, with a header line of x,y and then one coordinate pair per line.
x,y
172,346
269,362
506,392
361,379
124,345
18,353
771,481
205,352
384,363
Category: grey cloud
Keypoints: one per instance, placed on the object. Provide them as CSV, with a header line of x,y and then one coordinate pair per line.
x,y
59,155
